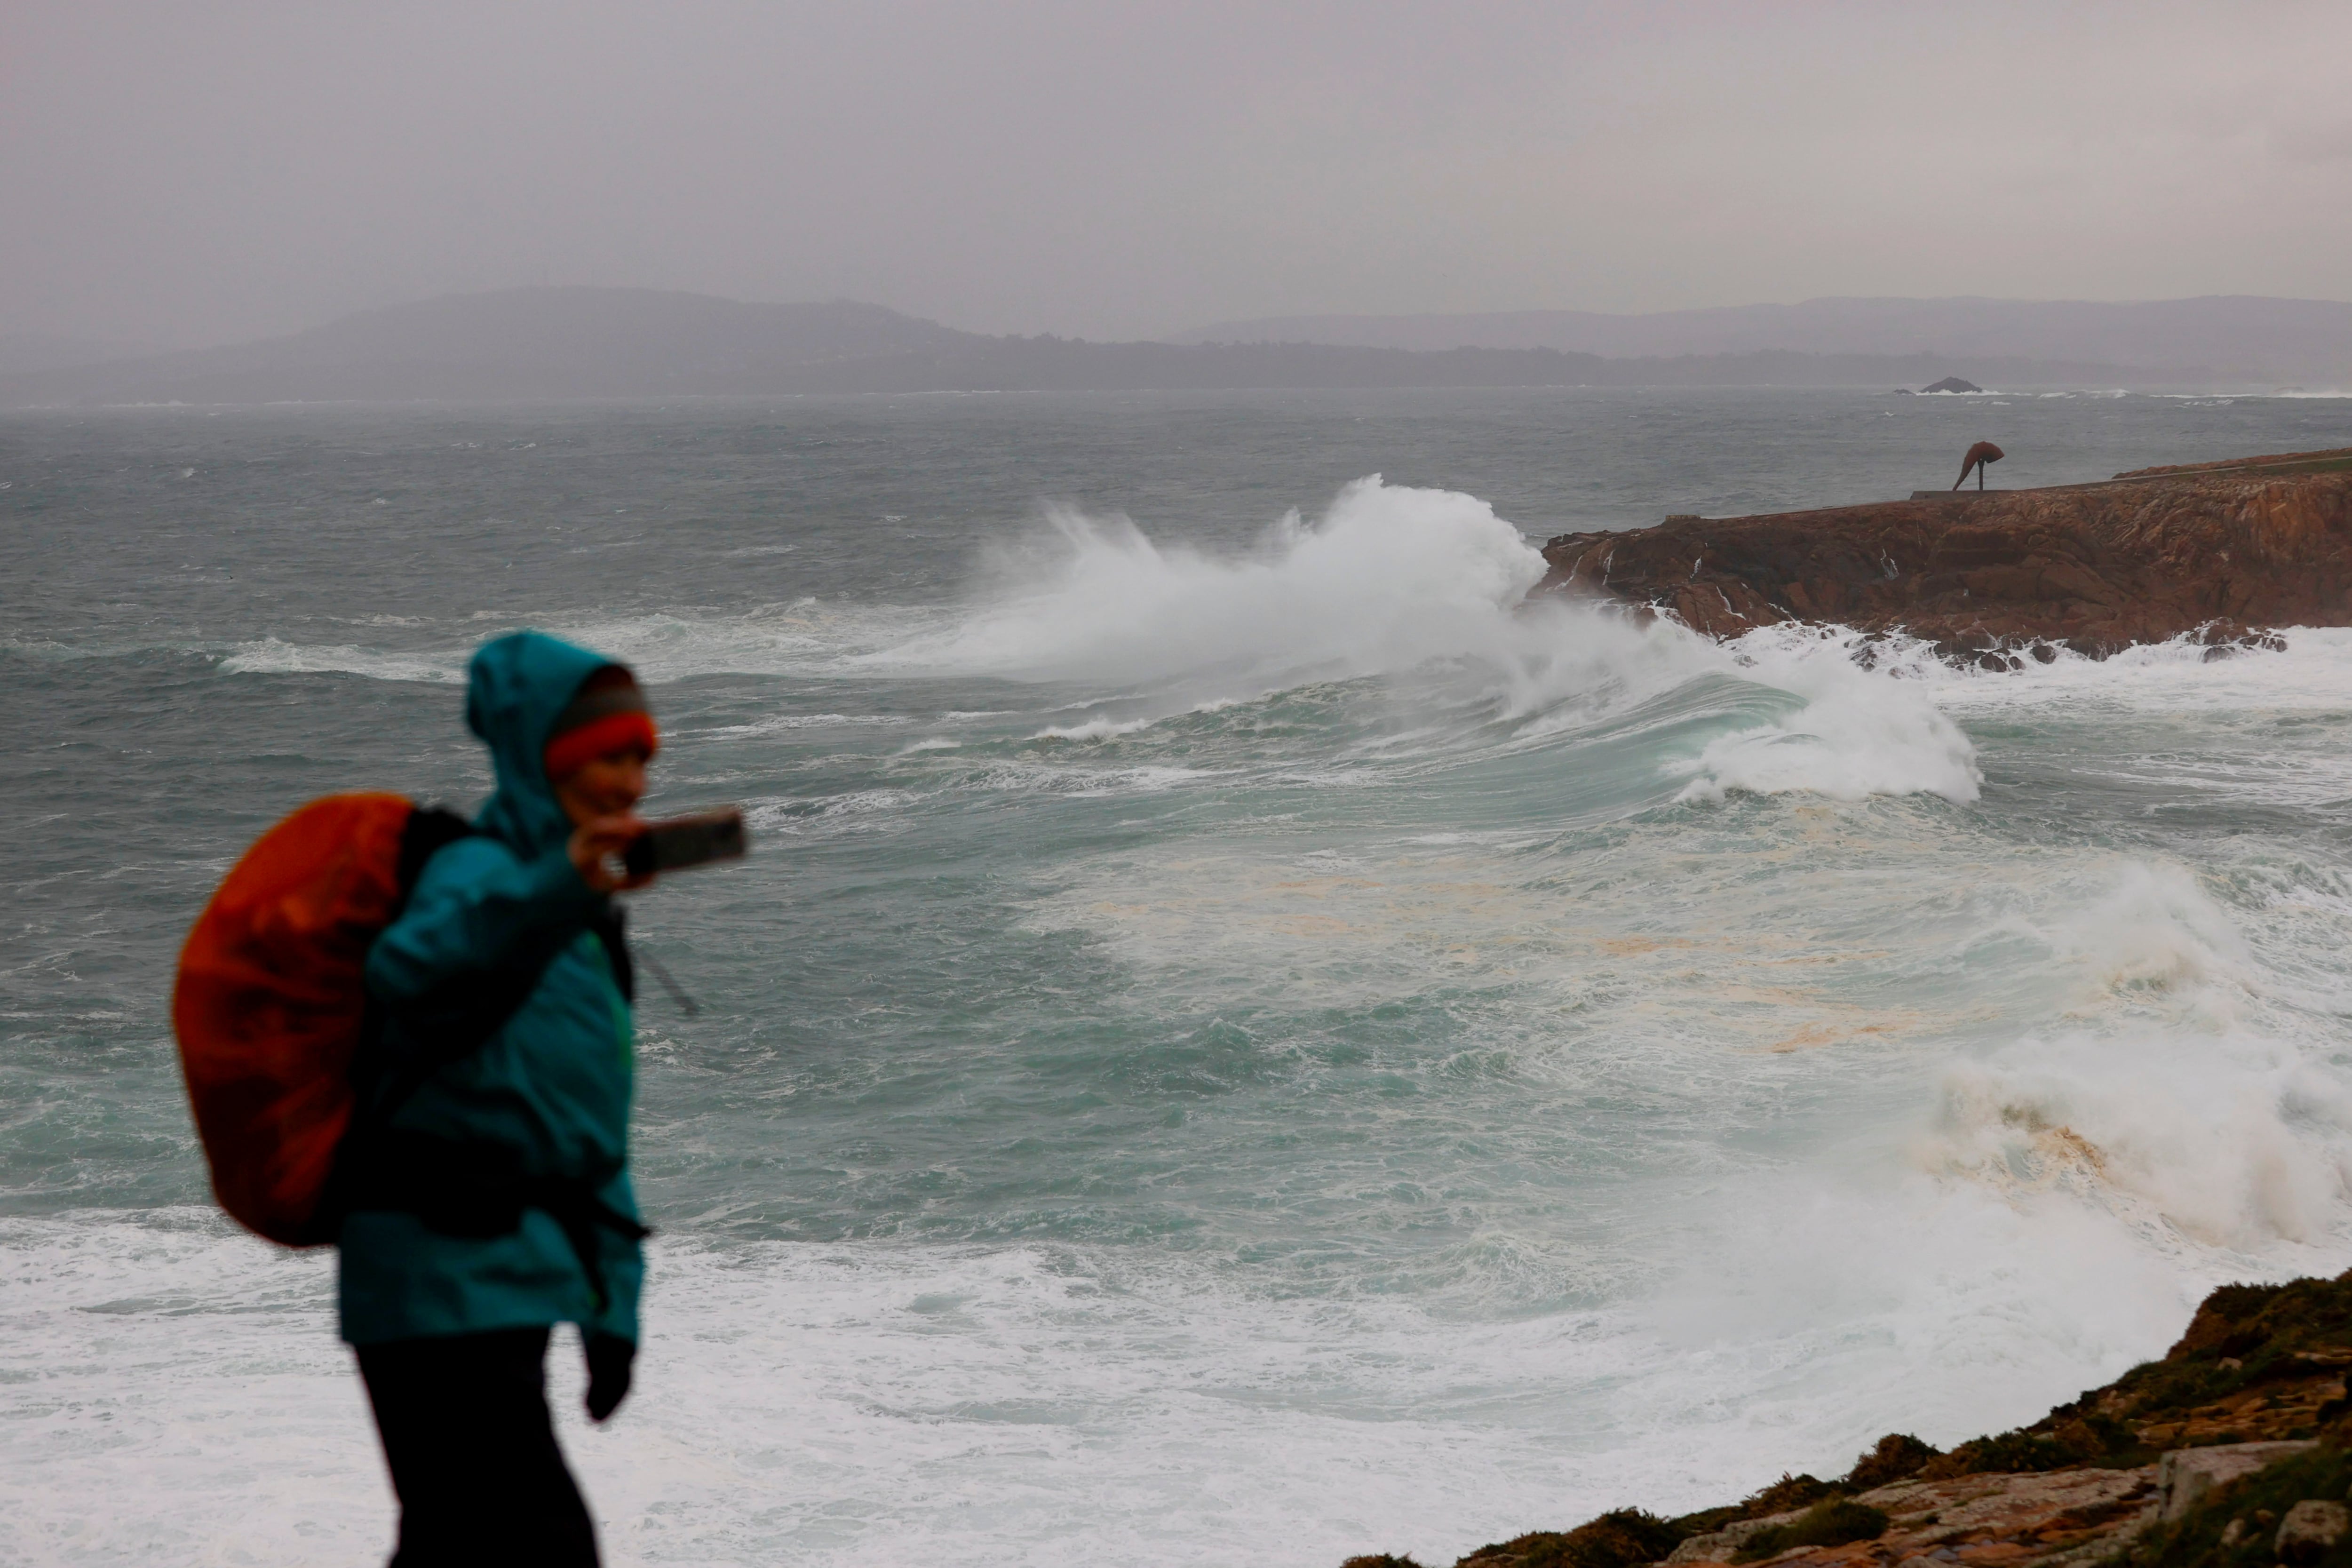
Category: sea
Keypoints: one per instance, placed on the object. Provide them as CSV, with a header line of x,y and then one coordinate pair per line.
x,y
1243,1036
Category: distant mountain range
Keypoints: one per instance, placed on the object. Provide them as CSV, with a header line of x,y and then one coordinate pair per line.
x,y
22,352
576,343
2242,338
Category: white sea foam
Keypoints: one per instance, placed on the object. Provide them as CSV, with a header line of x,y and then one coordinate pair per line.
x,y
2041,1216
1093,729
1034,778
1390,578
2169,1087
2041,1211
784,723
269,656
862,1402
807,637
2226,1141
1860,732
1560,1146
2313,673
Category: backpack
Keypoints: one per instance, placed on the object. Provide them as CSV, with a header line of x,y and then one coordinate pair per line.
x,y
271,1008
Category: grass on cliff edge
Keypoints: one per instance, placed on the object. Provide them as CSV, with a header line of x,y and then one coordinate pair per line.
x,y
1833,1521
2256,1504
1629,1537
2241,1336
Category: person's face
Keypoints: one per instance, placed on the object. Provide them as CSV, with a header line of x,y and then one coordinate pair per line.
x,y
605,787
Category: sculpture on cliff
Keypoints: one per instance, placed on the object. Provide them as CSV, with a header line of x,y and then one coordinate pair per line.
x,y
1981,454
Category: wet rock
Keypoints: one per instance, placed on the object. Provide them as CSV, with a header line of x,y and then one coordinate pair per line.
x,y
2185,1477
1718,1546
1953,384
2311,1529
2009,576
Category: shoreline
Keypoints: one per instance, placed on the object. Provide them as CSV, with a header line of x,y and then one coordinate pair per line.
x,y
2213,1456
2221,552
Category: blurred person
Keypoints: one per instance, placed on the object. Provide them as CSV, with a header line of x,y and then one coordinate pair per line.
x,y
485,1185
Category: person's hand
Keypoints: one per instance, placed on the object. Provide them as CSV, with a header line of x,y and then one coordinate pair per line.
x,y
597,842
609,1360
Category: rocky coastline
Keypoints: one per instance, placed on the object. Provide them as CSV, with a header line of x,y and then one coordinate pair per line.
x,y
2233,1451
2220,552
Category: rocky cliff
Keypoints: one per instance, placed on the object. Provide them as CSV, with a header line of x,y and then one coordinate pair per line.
x,y
2234,1451
2217,549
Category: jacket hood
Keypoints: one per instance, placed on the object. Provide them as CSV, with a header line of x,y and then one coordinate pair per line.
x,y
515,687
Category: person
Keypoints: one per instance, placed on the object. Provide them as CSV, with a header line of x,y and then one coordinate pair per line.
x,y
484,1185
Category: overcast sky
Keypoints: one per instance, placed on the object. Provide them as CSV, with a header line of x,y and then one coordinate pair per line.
x,y
191,173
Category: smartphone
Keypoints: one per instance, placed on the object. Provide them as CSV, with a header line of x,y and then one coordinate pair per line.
x,y
683,841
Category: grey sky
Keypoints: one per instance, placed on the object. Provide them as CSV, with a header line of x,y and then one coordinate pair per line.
x,y
192,172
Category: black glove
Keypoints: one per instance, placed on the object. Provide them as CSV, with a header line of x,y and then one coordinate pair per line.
x,y
609,1356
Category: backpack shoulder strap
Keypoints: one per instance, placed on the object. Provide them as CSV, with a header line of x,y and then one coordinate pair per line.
x,y
431,828
611,929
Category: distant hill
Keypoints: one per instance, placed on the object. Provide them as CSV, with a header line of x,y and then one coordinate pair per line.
x,y
2240,337
561,342
24,351
579,343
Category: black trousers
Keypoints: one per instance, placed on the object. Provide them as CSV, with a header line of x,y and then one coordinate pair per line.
x,y
473,1453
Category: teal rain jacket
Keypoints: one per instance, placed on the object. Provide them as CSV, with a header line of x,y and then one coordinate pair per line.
x,y
542,1103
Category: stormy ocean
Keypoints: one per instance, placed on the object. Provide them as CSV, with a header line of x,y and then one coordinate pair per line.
x,y
1241,1039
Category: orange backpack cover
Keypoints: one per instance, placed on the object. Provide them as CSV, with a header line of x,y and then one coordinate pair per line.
x,y
269,1004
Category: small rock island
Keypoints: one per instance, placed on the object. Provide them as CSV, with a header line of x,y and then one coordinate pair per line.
x,y
2217,551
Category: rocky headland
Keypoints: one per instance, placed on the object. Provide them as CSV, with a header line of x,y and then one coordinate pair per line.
x,y
2234,1451
2217,552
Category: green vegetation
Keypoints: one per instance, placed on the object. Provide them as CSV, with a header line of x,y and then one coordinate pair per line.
x,y
2256,1504
2054,1444
2243,1336
1833,1521
1626,1538
1629,1538
1898,1456
1788,1492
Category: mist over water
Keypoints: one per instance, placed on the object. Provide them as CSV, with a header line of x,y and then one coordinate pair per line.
x,y
1242,1035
